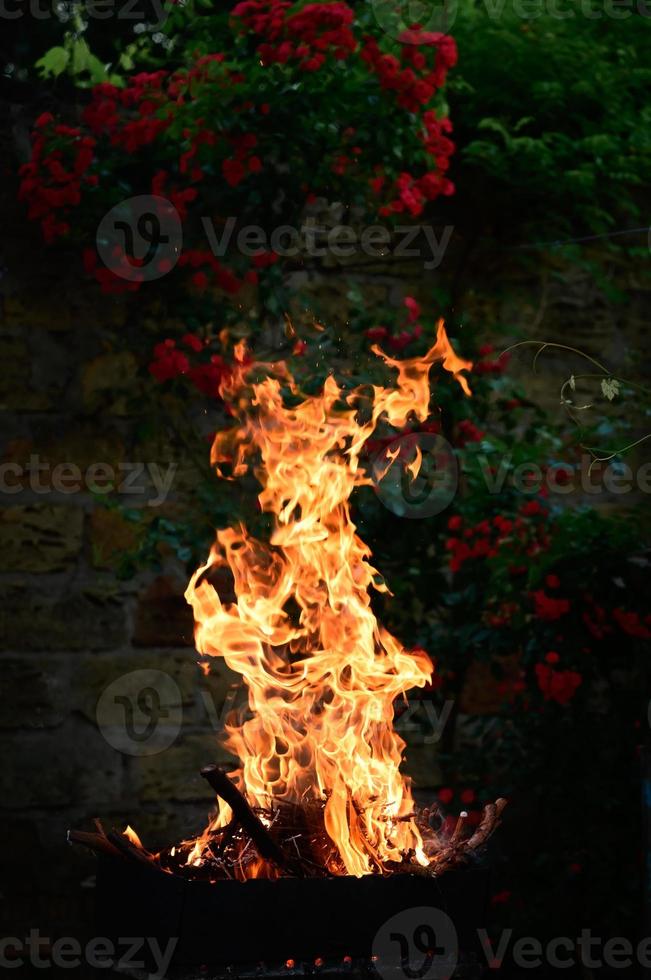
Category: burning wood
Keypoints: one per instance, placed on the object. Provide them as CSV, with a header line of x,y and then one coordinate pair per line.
x,y
243,815
320,791
289,840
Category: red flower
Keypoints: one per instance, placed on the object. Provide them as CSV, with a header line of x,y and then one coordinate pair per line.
x,y
557,685
446,795
233,171
455,523
404,338
467,796
552,657
208,377
192,341
531,509
200,279
548,608
468,432
377,333
492,367
630,623
597,626
263,259
503,524
413,308
169,362
552,581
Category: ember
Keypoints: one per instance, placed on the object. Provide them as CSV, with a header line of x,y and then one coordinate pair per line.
x,y
319,791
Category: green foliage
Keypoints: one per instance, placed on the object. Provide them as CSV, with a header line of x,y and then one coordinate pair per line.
x,y
552,117
76,57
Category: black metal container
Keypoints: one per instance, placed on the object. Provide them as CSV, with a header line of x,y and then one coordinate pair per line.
x,y
230,924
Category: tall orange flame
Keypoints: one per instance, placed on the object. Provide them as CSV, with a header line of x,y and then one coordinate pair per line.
x,y
321,673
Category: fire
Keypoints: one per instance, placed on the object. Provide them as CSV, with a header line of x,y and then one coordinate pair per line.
x,y
132,836
321,673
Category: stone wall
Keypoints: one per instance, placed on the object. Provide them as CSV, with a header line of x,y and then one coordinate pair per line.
x,y
71,625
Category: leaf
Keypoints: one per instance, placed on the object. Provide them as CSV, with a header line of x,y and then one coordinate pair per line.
x,y
80,56
610,388
96,69
53,62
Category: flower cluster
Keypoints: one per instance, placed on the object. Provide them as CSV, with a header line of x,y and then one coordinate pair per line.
x,y
557,685
128,115
201,136
52,181
631,623
600,624
485,365
414,79
171,361
202,262
518,537
546,634
110,280
548,607
412,330
467,432
307,36
419,72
